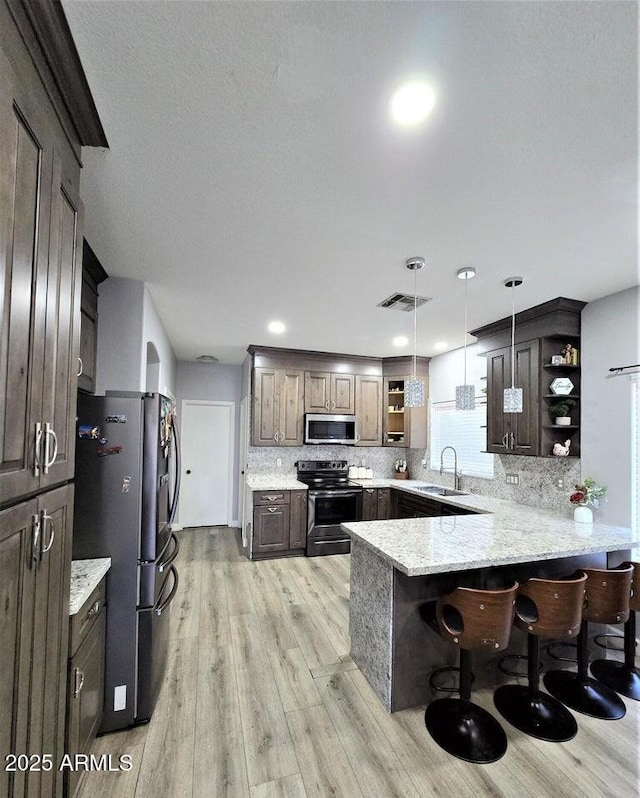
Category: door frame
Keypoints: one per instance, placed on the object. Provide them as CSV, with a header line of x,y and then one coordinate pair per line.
x,y
232,428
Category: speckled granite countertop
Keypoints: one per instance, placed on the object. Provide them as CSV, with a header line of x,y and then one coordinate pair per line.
x,y
504,532
85,576
274,482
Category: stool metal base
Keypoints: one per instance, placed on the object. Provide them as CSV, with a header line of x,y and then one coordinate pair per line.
x,y
465,730
540,716
618,677
584,695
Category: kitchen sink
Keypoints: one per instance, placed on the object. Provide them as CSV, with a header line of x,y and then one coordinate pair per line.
x,y
437,490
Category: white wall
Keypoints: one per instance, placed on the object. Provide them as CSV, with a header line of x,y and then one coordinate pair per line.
x,y
120,305
610,337
127,322
153,332
447,371
213,382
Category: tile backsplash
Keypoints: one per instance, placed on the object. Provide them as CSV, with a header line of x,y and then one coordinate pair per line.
x,y
538,476
538,479
263,459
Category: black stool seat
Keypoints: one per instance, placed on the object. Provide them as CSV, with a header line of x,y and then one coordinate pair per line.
x,y
544,608
606,601
624,677
472,620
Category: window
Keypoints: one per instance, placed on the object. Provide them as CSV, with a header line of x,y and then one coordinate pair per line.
x,y
466,431
635,453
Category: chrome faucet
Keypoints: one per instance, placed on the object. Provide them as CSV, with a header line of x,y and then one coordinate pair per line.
x,y
456,473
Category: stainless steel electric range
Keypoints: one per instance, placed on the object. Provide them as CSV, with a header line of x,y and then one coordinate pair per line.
x,y
332,500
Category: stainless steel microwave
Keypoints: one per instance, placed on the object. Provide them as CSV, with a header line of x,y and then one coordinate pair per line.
x,y
327,428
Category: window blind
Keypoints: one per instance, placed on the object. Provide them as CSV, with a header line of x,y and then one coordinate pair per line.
x,y
466,431
635,453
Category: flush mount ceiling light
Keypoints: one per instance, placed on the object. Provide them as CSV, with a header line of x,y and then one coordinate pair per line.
x,y
465,394
413,387
276,327
513,395
412,103
400,341
207,359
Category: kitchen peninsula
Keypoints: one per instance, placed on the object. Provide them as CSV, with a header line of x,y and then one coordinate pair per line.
x,y
398,565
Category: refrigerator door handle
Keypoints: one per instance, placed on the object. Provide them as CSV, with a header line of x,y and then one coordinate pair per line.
x,y
176,549
161,606
176,486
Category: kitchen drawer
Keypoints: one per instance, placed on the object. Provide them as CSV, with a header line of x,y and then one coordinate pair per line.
x,y
83,620
270,497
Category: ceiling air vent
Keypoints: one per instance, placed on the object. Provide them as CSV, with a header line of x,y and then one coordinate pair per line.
x,y
403,302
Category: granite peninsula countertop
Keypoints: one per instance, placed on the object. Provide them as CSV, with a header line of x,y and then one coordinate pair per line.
x,y
503,532
273,482
85,576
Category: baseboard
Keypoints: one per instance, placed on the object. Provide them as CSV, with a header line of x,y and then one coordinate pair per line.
x,y
235,524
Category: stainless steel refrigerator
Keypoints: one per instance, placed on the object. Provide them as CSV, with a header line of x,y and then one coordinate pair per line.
x,y
125,497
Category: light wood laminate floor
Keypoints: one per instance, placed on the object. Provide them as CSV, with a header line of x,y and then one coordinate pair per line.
x,y
261,699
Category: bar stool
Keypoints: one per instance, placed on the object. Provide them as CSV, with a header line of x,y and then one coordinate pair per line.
x,y
473,620
544,608
606,601
623,677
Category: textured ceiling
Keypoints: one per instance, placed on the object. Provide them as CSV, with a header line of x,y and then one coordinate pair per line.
x,y
254,173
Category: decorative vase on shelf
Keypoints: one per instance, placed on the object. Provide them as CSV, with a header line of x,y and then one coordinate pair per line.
x,y
583,514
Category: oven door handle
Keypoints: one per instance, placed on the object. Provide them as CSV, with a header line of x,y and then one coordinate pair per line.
x,y
322,494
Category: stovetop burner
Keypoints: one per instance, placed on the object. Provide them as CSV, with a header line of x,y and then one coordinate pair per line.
x,y
325,474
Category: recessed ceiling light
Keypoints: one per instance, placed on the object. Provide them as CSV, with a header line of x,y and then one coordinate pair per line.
x,y
440,345
400,340
412,103
276,327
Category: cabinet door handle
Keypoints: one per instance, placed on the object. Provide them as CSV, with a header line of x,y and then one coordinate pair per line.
x,y
49,461
369,490
272,509
513,440
333,404
275,497
275,437
94,610
78,681
44,519
326,404
35,538
505,440
79,374
36,449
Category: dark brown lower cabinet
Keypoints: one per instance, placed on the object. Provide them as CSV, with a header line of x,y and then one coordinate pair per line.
x,y
409,505
280,525
35,570
376,504
85,683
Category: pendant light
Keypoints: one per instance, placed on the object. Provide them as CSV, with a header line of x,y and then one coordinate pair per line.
x,y
513,395
413,387
465,394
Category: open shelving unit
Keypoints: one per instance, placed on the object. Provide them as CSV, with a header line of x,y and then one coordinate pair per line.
x,y
557,433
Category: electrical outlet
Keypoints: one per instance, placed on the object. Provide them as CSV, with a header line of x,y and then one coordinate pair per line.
x,y
279,462
560,482
424,463
512,479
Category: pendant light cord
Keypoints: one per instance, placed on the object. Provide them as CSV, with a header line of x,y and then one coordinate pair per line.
x,y
415,319
466,280
513,332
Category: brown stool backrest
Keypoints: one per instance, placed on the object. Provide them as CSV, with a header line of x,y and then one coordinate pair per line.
x,y
551,607
607,594
634,601
477,619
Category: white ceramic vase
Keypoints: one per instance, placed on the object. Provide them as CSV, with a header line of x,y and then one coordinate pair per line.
x,y
583,514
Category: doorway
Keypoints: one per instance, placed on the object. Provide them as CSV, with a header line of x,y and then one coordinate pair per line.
x,y
206,493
